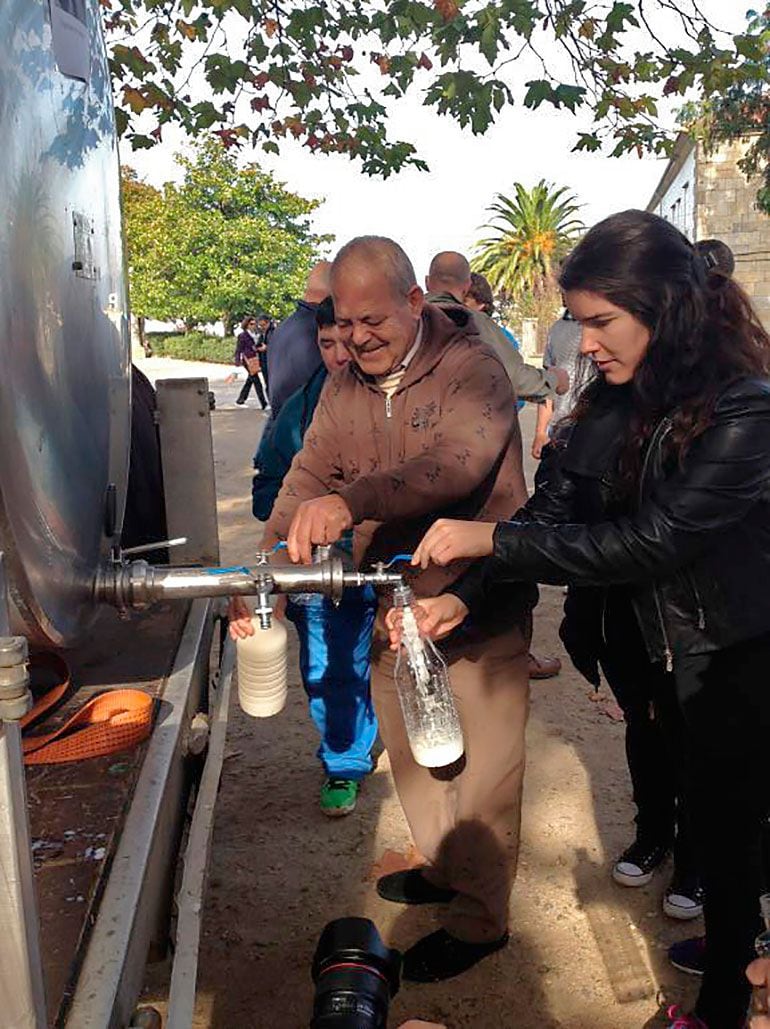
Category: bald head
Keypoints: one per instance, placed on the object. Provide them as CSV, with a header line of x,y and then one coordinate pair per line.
x,y
449,272
380,255
377,302
318,285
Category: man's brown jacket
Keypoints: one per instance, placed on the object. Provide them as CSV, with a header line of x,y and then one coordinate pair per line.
x,y
447,444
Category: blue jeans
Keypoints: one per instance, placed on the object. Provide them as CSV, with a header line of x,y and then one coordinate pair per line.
x,y
334,659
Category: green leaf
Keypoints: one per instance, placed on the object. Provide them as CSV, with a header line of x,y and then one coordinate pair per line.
x,y
538,90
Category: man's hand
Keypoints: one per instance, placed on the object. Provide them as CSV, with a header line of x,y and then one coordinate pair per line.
x,y
436,617
317,521
537,446
448,540
562,381
758,974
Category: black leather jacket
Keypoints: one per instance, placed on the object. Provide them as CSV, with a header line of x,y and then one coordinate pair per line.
x,y
693,553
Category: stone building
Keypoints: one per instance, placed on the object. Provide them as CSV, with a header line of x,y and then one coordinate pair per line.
x,y
708,197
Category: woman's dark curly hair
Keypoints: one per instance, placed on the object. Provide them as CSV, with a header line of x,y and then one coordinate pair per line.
x,y
704,333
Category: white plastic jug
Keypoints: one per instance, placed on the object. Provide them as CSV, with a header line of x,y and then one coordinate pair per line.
x,y
262,670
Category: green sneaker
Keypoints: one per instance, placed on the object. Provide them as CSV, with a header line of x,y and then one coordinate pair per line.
x,y
338,797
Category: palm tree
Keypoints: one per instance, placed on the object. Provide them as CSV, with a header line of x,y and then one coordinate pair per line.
x,y
532,233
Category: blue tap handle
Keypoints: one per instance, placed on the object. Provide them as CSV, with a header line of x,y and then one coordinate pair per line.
x,y
397,558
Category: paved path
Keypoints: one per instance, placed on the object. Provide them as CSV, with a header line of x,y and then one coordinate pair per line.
x,y
225,381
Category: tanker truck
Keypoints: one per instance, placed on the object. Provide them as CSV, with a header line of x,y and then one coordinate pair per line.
x,y
97,846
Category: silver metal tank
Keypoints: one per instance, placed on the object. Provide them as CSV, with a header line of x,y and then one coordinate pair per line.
x,y
64,340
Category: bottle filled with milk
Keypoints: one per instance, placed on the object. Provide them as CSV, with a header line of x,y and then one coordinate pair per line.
x,y
262,676
427,703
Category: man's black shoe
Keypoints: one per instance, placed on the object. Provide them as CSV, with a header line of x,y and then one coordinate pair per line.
x,y
442,956
411,887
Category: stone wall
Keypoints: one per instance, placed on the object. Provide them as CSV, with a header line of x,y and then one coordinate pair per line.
x,y
726,210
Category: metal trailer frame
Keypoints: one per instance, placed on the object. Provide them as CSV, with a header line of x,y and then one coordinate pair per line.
x,y
140,881
22,997
112,974
197,858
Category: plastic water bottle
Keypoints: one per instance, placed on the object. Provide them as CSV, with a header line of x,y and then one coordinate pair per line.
x,y
422,680
261,661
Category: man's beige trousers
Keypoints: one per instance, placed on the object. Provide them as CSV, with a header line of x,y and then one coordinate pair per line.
x,y
467,828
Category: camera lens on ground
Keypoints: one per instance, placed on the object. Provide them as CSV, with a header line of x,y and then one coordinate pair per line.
x,y
356,976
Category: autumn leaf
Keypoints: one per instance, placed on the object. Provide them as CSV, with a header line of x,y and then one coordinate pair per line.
x,y
271,27
382,61
135,99
448,9
186,29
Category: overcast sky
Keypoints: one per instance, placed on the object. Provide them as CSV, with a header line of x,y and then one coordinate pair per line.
x,y
443,209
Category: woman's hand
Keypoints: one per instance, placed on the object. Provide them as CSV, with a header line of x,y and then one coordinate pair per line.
x,y
415,1023
447,540
436,617
758,974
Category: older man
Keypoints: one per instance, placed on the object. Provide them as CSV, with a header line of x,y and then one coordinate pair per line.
x,y
420,424
448,282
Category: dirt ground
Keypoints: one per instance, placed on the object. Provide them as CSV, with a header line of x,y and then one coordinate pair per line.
x,y
584,953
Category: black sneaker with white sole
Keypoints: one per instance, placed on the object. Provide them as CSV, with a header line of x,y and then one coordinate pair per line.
x,y
638,863
683,899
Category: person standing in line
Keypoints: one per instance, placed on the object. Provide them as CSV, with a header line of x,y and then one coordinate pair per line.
x,y
562,350
423,421
334,639
481,299
292,357
447,284
679,410
451,277
247,355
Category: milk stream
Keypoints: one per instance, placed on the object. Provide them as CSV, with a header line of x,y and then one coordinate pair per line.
x,y
261,663
427,703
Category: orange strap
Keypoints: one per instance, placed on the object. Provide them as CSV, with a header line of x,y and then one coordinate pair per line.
x,y
113,721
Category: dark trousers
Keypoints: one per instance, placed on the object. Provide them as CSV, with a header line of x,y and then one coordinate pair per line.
x,y
654,733
252,380
725,700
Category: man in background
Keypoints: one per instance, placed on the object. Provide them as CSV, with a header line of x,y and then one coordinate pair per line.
x,y
293,357
265,330
562,350
450,283
447,283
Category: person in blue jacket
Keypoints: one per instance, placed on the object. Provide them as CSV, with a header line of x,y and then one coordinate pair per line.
x,y
334,642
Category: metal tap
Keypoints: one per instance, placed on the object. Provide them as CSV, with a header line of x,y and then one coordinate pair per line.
x,y
137,584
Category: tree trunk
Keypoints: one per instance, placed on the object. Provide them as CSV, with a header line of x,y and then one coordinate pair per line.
x,y
140,328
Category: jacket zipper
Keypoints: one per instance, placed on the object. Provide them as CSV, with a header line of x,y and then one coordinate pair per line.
x,y
388,406
698,601
656,439
604,618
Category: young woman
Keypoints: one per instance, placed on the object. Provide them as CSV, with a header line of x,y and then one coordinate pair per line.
x,y
668,459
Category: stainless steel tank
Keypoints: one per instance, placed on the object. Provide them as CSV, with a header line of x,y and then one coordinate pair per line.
x,y
64,341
